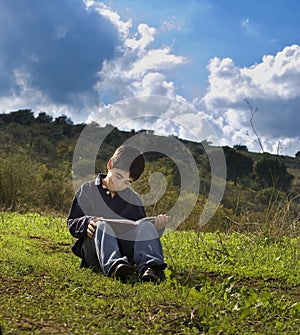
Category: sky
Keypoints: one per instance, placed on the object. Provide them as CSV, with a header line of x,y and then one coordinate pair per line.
x,y
215,61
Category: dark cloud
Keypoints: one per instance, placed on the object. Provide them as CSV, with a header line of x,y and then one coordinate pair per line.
x,y
59,43
280,118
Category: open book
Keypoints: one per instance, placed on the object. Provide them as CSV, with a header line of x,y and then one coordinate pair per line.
x,y
131,222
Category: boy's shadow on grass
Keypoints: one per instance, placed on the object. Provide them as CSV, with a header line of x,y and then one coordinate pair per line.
x,y
174,277
133,279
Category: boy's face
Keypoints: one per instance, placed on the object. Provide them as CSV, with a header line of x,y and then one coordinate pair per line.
x,y
118,180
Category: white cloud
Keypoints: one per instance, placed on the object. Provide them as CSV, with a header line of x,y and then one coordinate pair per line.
x,y
278,76
136,69
24,95
227,83
275,77
166,116
232,121
272,86
146,34
105,11
139,69
155,83
155,59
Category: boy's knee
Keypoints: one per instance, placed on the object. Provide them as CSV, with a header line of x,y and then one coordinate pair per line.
x,y
146,225
147,231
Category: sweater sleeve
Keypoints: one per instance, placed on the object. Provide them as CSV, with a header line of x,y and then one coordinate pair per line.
x,y
77,220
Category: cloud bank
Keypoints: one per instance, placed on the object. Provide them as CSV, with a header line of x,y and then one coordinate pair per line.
x,y
77,57
271,86
51,51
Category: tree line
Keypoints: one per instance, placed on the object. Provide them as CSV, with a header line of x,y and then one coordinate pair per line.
x,y
36,166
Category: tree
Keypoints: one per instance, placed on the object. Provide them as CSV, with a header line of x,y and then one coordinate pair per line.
x,y
63,120
24,117
297,154
271,172
44,118
238,165
239,147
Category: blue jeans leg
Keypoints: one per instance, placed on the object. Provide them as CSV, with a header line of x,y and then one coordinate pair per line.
x,y
107,247
147,248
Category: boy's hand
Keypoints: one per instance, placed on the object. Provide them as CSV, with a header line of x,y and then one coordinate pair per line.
x,y
161,221
92,227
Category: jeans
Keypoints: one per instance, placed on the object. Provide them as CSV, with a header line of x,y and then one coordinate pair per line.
x,y
139,245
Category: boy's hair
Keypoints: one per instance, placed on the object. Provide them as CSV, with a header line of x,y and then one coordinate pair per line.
x,y
129,158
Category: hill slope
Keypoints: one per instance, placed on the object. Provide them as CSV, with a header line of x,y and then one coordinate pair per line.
x,y
36,161
216,284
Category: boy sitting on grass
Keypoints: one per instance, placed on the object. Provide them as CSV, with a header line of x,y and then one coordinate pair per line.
x,y
116,248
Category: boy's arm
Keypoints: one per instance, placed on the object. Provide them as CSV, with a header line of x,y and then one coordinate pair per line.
x,y
77,220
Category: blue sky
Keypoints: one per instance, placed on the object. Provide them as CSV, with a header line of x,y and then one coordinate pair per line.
x,y
78,57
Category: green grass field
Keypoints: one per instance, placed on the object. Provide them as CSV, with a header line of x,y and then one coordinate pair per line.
x,y
216,284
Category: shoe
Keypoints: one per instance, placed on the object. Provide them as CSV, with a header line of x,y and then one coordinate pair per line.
x,y
153,274
122,271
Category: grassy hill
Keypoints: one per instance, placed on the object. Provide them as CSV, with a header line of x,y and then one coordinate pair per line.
x,y
36,155
216,284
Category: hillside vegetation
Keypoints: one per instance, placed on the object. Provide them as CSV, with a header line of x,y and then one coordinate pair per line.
x,y
36,174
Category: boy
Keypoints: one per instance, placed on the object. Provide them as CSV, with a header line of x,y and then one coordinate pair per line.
x,y
116,248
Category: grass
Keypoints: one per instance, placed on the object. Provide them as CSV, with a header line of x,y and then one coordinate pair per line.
x,y
216,284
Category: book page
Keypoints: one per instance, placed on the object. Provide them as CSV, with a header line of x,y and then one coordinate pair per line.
x,y
130,222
